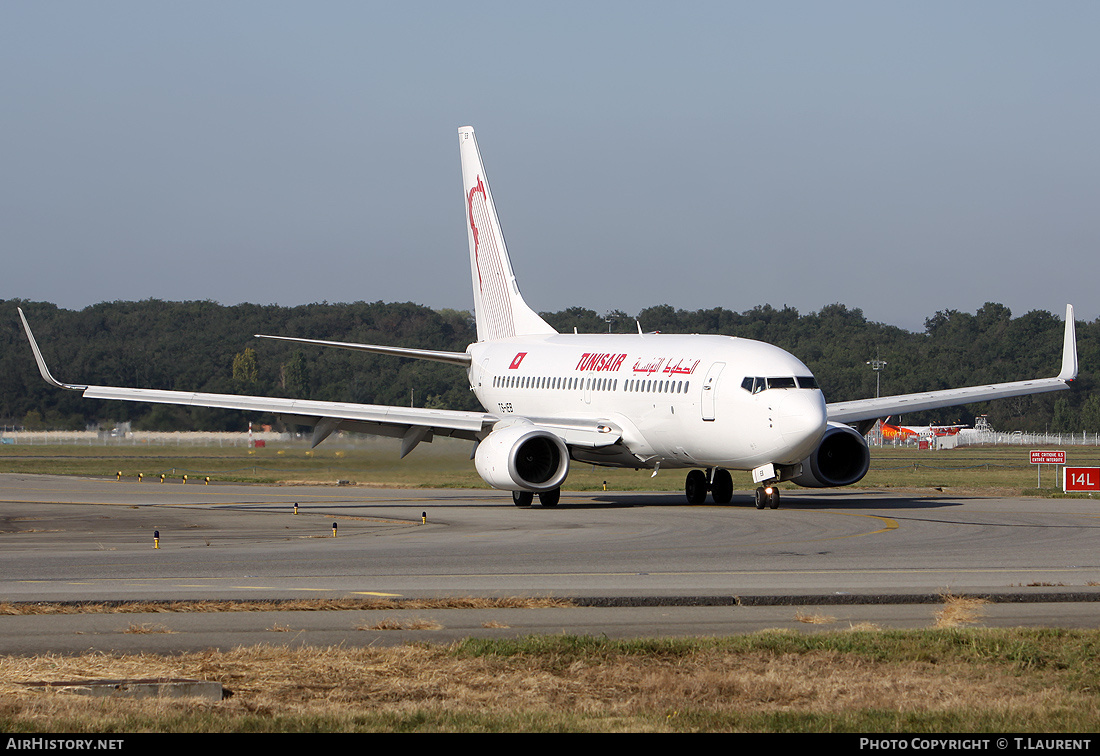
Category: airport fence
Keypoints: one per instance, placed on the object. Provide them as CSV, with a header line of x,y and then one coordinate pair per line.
x,y
993,438
136,438
1019,438
341,440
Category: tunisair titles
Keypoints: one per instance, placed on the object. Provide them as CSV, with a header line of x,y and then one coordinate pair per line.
x,y
600,362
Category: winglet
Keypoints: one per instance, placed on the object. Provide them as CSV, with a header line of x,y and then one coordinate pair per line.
x,y
41,362
1069,348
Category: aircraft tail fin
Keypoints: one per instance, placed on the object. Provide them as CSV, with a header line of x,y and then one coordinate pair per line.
x,y
499,309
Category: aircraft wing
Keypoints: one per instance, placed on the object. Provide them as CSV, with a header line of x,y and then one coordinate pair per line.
x,y
411,424
872,409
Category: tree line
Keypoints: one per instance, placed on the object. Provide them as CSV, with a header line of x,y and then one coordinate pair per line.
x,y
208,347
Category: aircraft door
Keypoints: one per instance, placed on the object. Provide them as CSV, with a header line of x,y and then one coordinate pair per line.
x,y
710,388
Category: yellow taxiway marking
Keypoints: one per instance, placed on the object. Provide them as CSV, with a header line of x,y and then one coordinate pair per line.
x,y
889,523
376,593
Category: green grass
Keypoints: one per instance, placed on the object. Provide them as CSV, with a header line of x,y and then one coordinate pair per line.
x,y
446,464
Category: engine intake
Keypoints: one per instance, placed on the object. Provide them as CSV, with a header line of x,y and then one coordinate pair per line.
x,y
841,459
522,458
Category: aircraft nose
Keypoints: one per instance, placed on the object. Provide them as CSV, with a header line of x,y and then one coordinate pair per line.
x,y
801,421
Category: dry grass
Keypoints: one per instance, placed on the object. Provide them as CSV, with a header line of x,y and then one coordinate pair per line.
x,y
814,619
398,624
864,627
959,610
581,684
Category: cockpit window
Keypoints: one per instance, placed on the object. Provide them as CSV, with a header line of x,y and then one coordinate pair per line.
x,y
756,384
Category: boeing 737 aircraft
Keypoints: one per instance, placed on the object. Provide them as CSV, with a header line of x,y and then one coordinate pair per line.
x,y
709,404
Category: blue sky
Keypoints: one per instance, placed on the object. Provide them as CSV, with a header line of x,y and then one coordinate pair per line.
x,y
902,158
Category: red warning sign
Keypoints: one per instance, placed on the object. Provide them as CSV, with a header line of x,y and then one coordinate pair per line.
x,y
1048,457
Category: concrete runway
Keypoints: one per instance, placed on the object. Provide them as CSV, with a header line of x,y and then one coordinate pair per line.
x,y
640,560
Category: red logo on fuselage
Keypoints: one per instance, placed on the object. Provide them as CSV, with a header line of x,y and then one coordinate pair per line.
x,y
518,359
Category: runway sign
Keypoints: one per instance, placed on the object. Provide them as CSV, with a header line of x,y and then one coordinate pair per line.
x,y
1048,457
1080,479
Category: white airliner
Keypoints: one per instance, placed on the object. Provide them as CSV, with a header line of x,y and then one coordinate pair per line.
x,y
709,404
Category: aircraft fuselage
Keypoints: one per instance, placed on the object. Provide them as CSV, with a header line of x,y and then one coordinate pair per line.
x,y
677,400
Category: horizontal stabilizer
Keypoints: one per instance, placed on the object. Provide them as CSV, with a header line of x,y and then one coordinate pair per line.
x,y
453,358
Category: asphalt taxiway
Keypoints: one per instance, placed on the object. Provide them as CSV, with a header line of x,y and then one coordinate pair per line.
x,y
642,563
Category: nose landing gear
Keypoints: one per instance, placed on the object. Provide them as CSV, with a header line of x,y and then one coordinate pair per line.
x,y
767,496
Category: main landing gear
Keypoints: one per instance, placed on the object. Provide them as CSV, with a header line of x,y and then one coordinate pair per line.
x,y
720,487
546,498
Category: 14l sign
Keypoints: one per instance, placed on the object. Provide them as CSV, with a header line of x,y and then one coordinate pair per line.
x,y
1080,479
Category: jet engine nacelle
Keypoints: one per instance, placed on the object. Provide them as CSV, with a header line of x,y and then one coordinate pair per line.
x,y
841,459
522,458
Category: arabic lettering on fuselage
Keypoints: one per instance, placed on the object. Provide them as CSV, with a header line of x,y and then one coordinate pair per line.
x,y
666,366
683,367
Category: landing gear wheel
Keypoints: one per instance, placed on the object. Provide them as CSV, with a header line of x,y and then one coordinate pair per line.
x,y
760,498
522,498
696,487
773,499
550,498
721,490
